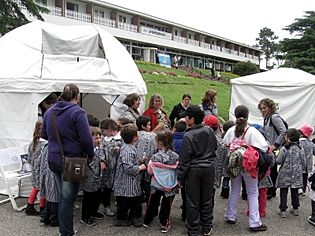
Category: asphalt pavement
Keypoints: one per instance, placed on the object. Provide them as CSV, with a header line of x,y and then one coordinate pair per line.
x,y
17,223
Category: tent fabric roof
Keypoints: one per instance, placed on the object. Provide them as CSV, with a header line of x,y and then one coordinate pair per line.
x,y
280,77
42,57
39,58
292,90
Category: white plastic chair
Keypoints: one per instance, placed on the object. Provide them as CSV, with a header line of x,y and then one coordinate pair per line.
x,y
11,174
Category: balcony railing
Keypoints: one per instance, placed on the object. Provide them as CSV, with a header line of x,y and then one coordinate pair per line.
x,y
180,39
56,11
193,42
128,27
104,21
78,16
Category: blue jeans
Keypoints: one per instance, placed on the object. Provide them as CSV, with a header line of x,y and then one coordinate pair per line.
x,y
68,192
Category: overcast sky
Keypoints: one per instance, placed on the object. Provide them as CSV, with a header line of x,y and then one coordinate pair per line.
x,y
239,20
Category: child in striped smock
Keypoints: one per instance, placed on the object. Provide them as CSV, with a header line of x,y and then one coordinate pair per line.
x,y
111,143
127,187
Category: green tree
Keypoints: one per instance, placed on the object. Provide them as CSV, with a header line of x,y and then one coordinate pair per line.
x,y
267,42
299,52
245,68
11,15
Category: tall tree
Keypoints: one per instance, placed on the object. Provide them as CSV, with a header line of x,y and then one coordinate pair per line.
x,y
267,42
11,15
299,52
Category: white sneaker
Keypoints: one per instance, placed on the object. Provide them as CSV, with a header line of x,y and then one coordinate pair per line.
x,y
295,212
283,214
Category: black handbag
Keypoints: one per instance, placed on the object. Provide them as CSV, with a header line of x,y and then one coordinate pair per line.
x,y
75,169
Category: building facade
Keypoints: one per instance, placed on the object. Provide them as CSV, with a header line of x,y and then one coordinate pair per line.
x,y
144,35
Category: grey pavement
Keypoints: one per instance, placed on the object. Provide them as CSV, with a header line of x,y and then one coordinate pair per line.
x,y
17,223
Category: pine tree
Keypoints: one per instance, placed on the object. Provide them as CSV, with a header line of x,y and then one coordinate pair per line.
x,y
11,15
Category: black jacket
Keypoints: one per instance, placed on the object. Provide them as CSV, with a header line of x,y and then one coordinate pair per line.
x,y
177,113
198,150
312,180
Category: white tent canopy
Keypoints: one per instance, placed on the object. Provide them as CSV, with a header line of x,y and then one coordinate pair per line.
x,y
292,89
39,58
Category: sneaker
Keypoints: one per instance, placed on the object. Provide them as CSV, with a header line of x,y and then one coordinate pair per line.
x,y
295,212
122,223
109,212
98,216
231,222
300,191
145,226
88,222
283,214
137,222
166,228
258,229
311,220
225,193
30,210
207,232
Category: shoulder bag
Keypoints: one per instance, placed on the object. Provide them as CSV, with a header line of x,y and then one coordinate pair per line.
x,y
75,169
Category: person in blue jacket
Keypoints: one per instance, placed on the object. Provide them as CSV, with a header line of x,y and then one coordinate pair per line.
x,y
77,141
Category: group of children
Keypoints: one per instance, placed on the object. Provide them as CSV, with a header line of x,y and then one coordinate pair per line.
x,y
139,166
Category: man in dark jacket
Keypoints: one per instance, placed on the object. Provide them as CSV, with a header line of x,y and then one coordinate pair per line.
x,y
196,169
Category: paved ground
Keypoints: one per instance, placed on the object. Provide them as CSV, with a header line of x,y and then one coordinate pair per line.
x,y
17,223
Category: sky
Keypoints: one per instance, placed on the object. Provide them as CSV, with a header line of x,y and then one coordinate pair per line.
x,y
238,20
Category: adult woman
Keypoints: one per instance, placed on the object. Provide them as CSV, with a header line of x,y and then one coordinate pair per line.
x,y
208,104
133,102
252,137
274,130
178,110
156,113
77,141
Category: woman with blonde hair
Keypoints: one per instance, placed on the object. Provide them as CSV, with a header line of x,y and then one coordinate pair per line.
x,y
155,112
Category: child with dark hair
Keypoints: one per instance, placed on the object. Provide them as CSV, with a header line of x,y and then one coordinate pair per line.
x,y
34,158
93,121
292,161
225,190
178,136
162,167
145,149
127,187
49,190
91,187
311,179
111,143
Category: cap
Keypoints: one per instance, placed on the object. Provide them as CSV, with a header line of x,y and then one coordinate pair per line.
x,y
212,121
306,130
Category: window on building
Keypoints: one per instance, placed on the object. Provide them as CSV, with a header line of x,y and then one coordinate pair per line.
x,y
150,26
72,6
176,32
99,13
189,36
122,19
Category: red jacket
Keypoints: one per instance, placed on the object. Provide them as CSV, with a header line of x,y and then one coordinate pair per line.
x,y
153,117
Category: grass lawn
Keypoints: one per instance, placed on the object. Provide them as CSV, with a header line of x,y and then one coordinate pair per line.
x,y
172,88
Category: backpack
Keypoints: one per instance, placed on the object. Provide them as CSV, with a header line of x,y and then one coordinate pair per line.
x,y
275,128
234,161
